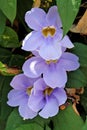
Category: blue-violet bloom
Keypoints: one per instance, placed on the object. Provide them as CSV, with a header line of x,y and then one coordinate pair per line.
x,y
47,35
46,100
19,95
54,72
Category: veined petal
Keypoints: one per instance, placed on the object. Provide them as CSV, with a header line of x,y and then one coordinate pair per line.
x,y
36,101
33,67
32,41
53,19
55,76
69,62
15,97
60,95
65,42
35,18
50,51
50,109
25,111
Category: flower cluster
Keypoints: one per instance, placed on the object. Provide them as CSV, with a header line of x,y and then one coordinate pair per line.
x,y
40,89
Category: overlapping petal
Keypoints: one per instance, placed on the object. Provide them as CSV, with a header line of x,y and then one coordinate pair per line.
x,y
25,111
15,97
55,76
36,101
51,20
65,42
69,62
33,67
60,95
35,18
50,109
50,51
21,82
32,41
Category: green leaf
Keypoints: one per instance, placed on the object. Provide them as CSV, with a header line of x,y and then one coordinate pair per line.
x,y
85,126
22,8
12,124
2,22
32,126
2,68
84,99
9,38
68,120
14,121
5,55
68,10
5,85
47,127
16,60
8,7
81,50
76,79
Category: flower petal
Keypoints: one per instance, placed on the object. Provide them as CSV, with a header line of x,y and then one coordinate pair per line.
x,y
36,101
33,67
50,109
69,62
15,97
60,95
55,76
70,56
53,19
50,51
32,41
25,111
39,85
65,42
21,82
35,18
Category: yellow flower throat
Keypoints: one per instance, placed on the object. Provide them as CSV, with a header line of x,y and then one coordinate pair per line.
x,y
48,31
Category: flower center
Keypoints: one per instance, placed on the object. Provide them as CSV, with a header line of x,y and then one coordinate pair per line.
x,y
48,31
51,61
28,91
48,91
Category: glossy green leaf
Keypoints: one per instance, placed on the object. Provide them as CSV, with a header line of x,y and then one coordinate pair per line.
x,y
31,126
68,120
68,10
2,22
81,51
76,79
8,7
9,38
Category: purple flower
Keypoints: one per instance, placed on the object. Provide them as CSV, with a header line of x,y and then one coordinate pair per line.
x,y
53,71
19,95
47,37
46,100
